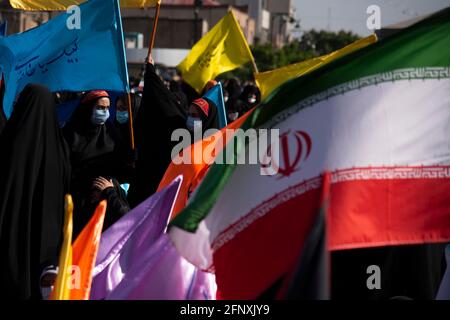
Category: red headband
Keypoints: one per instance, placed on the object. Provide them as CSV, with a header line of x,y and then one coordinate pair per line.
x,y
96,94
203,105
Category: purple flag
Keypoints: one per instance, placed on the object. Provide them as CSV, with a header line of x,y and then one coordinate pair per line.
x,y
136,260
163,274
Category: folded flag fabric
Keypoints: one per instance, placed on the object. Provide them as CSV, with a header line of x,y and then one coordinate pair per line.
x,y
270,80
63,59
222,49
49,5
137,260
193,172
377,119
163,274
84,254
310,278
215,94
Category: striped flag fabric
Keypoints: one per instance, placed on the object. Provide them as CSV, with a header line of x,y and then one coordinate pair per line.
x,y
378,121
270,80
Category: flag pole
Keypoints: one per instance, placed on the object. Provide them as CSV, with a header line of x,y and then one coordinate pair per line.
x,y
255,67
130,115
155,26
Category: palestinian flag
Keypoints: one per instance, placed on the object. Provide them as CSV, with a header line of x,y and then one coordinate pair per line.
x,y
379,121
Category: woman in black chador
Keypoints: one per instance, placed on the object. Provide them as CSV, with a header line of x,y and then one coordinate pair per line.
x,y
34,177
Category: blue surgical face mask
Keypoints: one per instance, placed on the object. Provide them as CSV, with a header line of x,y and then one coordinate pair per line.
x,y
99,116
193,124
122,117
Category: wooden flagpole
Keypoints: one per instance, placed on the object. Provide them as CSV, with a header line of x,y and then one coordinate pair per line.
x,y
155,26
130,115
150,47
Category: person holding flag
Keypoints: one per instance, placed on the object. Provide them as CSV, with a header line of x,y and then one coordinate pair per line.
x,y
161,113
98,156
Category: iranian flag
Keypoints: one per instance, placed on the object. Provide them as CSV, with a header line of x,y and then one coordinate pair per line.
x,y
379,121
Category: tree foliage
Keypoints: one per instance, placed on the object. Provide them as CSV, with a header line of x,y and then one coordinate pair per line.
x,y
312,44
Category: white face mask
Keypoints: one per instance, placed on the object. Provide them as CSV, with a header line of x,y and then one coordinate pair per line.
x,y
252,100
193,124
225,99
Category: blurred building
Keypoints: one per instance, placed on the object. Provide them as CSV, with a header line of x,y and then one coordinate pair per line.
x,y
19,21
281,21
181,24
273,19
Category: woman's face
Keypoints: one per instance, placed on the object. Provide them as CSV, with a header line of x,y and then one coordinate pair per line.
x,y
102,104
121,106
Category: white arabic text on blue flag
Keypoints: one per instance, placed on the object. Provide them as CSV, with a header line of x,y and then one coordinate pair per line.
x,y
63,59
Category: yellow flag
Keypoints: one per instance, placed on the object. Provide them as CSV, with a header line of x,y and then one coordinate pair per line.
x,y
222,49
49,5
270,80
62,291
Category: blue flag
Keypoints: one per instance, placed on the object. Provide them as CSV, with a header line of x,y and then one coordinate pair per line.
x,y
3,28
65,58
215,94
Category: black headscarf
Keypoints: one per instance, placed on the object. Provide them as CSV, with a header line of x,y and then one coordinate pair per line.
x,y
179,96
211,120
159,115
234,89
248,90
96,150
33,181
190,92
234,104
124,128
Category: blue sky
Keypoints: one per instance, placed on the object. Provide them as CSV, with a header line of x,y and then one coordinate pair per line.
x,y
351,14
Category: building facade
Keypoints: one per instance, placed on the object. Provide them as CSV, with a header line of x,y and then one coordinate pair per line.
x,y
20,21
273,19
180,26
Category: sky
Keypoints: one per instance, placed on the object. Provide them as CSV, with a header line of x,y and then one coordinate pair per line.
x,y
350,15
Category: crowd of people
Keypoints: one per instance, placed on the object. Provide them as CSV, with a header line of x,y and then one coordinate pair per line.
x,y
90,156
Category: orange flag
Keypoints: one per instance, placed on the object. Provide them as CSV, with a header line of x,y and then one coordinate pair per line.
x,y
194,173
85,251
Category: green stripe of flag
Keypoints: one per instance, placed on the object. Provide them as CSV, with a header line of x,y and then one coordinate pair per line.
x,y
423,45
